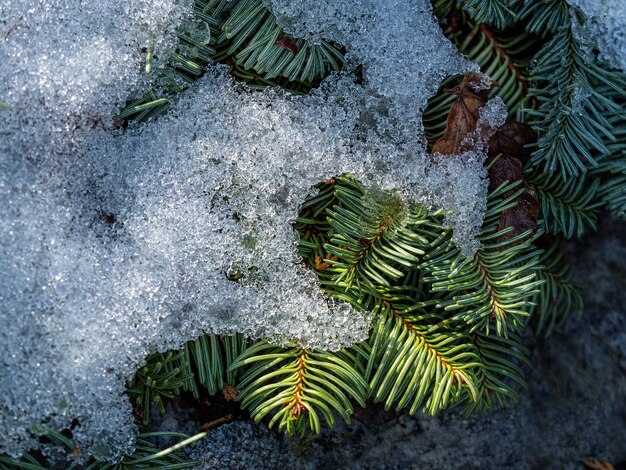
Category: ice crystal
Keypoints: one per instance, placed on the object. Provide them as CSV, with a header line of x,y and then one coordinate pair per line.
x,y
606,23
114,244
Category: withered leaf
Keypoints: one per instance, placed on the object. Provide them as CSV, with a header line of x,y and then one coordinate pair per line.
x,y
229,392
522,217
217,422
504,169
287,43
598,464
463,115
511,140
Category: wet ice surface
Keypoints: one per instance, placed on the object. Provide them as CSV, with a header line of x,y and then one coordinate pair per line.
x,y
116,244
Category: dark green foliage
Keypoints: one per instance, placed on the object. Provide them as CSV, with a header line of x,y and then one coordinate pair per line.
x,y
202,363
568,208
433,309
494,288
549,78
558,297
146,455
572,130
161,378
297,386
413,368
500,374
503,54
498,13
370,238
244,35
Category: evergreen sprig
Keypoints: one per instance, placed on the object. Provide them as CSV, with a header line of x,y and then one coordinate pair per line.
x,y
410,367
146,455
298,386
500,374
570,116
568,208
498,284
559,297
244,35
499,13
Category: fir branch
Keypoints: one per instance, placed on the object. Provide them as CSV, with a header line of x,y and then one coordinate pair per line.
x,y
372,243
200,363
612,169
410,367
498,284
613,189
295,386
145,455
499,375
569,118
568,207
164,375
244,35
497,13
558,297
502,55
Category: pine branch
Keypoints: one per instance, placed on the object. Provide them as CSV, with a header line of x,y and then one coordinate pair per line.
x,y
164,375
569,118
372,243
499,375
498,284
558,297
295,386
411,368
568,207
145,455
497,13
244,35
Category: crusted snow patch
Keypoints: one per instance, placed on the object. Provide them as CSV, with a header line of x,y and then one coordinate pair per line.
x,y
606,23
117,244
402,50
67,65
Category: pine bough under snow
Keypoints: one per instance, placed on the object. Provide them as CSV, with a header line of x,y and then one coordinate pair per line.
x,y
446,323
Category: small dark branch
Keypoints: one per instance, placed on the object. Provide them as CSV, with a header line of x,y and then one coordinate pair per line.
x,y
14,27
490,35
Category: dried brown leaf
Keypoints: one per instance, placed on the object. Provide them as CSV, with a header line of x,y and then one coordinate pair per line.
x,y
229,392
597,464
217,422
504,169
463,115
522,217
511,139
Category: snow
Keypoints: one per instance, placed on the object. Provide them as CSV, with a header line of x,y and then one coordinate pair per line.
x,y
114,244
606,25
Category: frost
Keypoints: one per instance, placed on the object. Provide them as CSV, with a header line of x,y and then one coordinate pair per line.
x,y
606,23
403,52
68,65
116,244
